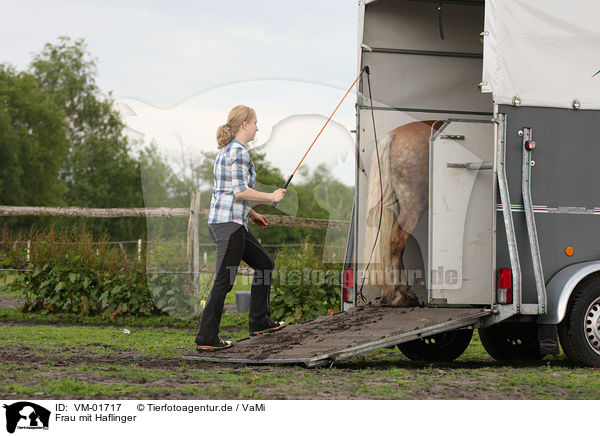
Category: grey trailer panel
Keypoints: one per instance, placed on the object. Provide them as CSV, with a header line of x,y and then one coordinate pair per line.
x,y
566,155
418,81
561,286
555,232
565,187
414,25
444,76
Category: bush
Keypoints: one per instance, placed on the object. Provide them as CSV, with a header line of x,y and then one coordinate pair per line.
x,y
303,287
170,280
69,273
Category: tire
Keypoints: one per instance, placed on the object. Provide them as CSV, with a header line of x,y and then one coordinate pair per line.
x,y
511,341
579,331
443,347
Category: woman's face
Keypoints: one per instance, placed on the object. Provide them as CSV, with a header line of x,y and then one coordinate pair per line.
x,y
252,128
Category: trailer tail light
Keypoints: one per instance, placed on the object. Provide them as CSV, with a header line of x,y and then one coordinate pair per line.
x,y
504,286
348,285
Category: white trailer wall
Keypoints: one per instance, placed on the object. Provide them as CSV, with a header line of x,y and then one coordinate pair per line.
x,y
543,51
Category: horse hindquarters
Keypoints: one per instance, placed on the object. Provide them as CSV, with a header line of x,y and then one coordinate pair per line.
x,y
409,179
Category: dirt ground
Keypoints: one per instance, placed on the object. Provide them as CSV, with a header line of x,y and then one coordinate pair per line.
x,y
334,383
11,302
66,356
382,374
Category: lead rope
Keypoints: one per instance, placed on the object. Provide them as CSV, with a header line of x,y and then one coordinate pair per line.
x,y
360,294
273,204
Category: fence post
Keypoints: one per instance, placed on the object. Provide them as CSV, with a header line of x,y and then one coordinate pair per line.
x,y
196,243
190,232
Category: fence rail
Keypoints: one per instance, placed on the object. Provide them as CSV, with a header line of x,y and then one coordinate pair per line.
x,y
162,212
242,270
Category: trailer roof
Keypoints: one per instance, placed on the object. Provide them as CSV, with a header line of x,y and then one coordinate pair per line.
x,y
545,52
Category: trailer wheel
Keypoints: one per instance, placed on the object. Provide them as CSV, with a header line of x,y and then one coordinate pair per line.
x,y
579,332
511,341
443,347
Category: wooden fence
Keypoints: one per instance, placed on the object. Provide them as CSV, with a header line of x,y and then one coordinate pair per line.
x,y
194,213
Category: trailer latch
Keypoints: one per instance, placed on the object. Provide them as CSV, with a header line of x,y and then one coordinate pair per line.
x,y
472,165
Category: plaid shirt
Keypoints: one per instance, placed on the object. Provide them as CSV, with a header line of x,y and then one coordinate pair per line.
x,y
234,172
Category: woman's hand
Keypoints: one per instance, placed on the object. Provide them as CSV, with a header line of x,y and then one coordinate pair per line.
x,y
277,195
260,220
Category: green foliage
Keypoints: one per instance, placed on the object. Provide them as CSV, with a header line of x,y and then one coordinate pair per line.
x,y
71,274
98,170
303,287
32,142
170,281
162,187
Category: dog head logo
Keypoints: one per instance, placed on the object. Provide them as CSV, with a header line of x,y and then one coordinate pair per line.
x,y
26,415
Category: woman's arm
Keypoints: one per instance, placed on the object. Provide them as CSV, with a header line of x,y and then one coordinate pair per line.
x,y
258,219
254,195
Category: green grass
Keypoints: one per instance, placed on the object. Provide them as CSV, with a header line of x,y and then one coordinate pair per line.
x,y
85,361
152,341
54,356
5,279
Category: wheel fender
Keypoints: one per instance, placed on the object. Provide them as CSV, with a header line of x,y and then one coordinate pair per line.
x,y
561,286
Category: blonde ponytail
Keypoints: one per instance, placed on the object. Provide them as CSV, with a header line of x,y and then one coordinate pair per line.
x,y
236,117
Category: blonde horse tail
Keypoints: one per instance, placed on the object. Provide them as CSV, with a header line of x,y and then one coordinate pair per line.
x,y
378,234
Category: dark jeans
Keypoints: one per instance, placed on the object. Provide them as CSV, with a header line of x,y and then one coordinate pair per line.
x,y
235,243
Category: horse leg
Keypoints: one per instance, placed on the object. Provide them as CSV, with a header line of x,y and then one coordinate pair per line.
x,y
409,176
397,294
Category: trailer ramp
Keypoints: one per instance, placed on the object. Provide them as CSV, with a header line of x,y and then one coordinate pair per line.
x,y
344,334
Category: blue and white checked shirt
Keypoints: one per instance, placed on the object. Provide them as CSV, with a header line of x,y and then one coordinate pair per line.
x,y
234,172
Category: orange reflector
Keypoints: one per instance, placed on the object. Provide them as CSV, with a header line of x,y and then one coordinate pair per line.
x,y
569,251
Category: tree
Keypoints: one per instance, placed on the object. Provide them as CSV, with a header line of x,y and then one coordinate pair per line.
x,y
32,145
98,170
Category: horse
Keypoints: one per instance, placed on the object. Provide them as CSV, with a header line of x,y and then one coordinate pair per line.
x,y
404,160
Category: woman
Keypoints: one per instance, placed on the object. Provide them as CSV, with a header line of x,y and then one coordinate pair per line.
x,y
234,177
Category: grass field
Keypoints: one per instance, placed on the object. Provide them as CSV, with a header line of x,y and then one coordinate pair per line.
x,y
67,357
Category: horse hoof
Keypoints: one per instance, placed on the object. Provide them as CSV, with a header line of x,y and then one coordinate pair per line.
x,y
406,300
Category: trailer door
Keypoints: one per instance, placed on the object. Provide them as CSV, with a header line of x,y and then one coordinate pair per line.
x,y
461,214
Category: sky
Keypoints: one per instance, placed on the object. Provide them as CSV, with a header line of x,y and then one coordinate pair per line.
x,y
176,68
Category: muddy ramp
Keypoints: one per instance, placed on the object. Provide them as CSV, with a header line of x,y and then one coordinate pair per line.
x,y
344,334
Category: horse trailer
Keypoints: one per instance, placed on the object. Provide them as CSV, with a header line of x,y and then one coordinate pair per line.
x,y
476,190
511,222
